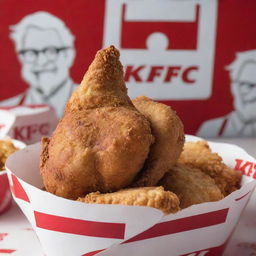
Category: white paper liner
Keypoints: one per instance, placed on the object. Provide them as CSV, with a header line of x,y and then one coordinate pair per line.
x,y
66,227
243,240
27,123
5,193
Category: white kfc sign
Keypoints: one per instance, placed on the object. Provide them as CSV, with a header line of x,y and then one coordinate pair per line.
x,y
167,47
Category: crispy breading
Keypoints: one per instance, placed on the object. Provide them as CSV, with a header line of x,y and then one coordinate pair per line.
x,y
191,185
102,141
6,149
199,155
155,197
168,131
229,180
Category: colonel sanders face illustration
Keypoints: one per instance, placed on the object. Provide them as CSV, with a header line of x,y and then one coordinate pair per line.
x,y
45,47
243,87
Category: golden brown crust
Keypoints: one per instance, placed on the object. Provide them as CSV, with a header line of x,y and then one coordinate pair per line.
x,y
6,149
199,155
103,84
191,185
148,196
168,131
44,151
102,141
229,180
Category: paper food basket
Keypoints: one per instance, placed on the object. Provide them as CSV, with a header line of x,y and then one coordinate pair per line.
x,y
5,193
66,227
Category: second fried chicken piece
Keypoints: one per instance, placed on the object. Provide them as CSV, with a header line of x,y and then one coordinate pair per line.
x,y
229,180
191,185
199,155
156,197
168,131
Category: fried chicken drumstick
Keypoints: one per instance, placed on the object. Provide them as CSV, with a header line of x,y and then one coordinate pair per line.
x,y
102,141
156,197
168,131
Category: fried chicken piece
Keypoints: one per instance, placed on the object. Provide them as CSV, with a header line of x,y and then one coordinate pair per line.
x,y
6,149
199,155
168,131
229,180
102,141
156,197
191,185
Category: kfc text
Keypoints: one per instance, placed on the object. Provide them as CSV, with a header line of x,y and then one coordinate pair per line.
x,y
26,132
247,168
146,73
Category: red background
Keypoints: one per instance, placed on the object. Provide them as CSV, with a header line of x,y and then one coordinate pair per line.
x,y
235,32
84,19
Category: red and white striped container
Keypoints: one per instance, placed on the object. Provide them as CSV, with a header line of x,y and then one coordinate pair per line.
x,y
5,193
65,227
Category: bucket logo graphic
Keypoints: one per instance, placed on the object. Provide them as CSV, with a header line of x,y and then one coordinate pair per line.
x,y
167,47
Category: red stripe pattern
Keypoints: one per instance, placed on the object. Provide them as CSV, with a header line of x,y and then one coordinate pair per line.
x,y
93,253
18,190
238,199
5,196
184,224
223,126
79,227
181,225
9,251
7,206
4,186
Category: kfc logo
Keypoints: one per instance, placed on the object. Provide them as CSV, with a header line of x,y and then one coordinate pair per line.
x,y
45,49
242,121
26,132
247,168
167,48
27,124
